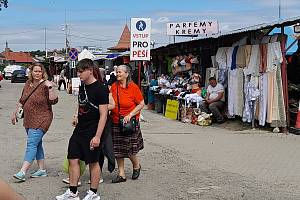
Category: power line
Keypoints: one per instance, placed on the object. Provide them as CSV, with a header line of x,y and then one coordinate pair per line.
x,y
34,43
16,33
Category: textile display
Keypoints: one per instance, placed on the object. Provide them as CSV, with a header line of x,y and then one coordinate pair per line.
x,y
254,81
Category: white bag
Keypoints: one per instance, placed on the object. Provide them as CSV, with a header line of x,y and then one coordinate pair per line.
x,y
20,113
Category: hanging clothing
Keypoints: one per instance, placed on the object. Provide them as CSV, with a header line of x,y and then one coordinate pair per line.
x,y
222,77
235,92
231,91
229,52
270,96
278,109
221,57
263,99
274,37
239,102
254,62
274,58
266,39
241,57
263,58
234,53
251,94
248,49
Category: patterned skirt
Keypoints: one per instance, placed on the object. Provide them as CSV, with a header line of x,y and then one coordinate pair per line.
x,y
126,145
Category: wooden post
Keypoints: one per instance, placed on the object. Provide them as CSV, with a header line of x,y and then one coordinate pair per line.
x,y
139,73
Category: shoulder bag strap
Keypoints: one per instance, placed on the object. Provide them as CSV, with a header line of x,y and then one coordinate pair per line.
x,y
87,98
32,92
118,99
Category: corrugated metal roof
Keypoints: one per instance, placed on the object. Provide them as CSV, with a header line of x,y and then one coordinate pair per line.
x,y
287,22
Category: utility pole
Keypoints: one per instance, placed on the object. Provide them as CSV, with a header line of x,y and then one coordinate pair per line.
x,y
46,42
66,35
279,10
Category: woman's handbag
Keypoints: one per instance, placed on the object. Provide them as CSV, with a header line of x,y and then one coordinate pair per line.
x,y
126,128
129,127
20,111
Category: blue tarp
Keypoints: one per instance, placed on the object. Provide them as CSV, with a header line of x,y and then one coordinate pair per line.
x,y
113,55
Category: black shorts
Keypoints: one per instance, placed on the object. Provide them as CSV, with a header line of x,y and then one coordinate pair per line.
x,y
79,148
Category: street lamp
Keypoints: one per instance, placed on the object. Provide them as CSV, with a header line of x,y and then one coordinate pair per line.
x,y
4,3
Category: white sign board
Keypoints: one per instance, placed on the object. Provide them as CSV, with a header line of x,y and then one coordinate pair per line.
x,y
140,39
193,28
75,85
73,64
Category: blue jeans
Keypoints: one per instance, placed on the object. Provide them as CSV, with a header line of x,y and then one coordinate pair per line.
x,y
34,149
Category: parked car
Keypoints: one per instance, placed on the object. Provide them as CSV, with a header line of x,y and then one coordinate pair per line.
x,y
8,70
19,76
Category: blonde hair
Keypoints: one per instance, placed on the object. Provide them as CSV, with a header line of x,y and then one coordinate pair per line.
x,y
45,75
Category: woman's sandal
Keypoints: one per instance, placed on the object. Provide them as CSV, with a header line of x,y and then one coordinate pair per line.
x,y
136,173
119,179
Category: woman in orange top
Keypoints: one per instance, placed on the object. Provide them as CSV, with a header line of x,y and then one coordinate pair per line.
x,y
129,99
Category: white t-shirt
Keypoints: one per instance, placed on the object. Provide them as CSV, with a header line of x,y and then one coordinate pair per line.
x,y
62,75
214,91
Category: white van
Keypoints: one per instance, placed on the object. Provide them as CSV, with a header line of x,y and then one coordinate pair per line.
x,y
8,70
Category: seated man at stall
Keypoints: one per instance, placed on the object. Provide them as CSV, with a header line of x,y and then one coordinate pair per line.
x,y
214,100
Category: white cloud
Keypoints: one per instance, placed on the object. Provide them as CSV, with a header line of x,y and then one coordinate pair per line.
x,y
194,14
162,20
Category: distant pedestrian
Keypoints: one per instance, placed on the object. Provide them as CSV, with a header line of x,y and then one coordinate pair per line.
x,y
62,79
93,103
112,78
129,102
37,99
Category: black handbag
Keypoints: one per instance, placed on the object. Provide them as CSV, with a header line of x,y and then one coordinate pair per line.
x,y
126,128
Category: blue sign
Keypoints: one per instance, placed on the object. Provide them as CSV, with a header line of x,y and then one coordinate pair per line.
x,y
73,54
140,25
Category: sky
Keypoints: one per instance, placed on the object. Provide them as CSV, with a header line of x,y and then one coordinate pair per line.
x,y
100,23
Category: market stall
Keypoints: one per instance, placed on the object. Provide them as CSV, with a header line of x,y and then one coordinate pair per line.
x,y
250,63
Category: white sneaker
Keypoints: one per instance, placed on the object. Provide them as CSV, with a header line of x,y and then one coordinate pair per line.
x,y
91,196
68,195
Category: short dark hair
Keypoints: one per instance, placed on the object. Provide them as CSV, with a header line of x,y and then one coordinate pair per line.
x,y
85,64
212,79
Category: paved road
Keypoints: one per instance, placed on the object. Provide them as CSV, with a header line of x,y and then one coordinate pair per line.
x,y
180,161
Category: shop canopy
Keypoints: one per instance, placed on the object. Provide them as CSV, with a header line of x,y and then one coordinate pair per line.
x,y
86,54
112,55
